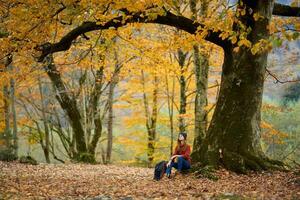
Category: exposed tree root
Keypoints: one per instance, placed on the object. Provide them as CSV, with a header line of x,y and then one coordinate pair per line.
x,y
240,162
205,172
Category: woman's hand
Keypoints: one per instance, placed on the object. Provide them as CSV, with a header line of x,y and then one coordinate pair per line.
x,y
169,163
171,159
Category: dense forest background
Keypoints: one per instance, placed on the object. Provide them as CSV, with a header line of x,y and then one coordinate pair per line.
x,y
281,108
130,91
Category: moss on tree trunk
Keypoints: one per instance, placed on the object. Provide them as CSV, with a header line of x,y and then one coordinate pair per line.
x,y
233,138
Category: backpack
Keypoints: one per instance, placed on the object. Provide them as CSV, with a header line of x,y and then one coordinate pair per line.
x,y
159,170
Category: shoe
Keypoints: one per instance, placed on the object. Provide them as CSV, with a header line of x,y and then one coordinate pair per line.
x,y
178,174
168,175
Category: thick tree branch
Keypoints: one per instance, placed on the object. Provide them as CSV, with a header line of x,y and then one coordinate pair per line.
x,y
285,10
169,18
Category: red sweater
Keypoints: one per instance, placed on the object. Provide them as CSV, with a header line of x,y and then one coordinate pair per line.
x,y
185,153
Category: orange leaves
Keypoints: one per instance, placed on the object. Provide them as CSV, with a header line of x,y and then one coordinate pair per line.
x,y
233,39
272,135
287,27
270,107
2,125
257,16
224,35
261,46
244,42
120,182
266,125
255,48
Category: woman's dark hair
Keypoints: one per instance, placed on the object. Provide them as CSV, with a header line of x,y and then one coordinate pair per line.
x,y
183,134
180,148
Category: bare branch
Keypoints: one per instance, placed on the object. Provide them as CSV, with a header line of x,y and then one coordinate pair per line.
x,y
280,81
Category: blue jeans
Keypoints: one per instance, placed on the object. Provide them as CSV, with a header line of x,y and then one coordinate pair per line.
x,y
182,164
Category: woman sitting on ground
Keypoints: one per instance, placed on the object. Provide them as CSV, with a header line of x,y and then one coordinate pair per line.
x,y
180,159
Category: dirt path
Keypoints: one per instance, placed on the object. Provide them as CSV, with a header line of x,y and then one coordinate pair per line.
x,y
78,181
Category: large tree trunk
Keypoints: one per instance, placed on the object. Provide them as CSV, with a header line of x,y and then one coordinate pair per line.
x,y
7,132
201,66
171,110
14,115
68,104
45,146
201,75
152,125
151,118
233,138
112,85
110,123
182,82
94,111
7,103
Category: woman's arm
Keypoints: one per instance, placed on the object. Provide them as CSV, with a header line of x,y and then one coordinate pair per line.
x,y
174,155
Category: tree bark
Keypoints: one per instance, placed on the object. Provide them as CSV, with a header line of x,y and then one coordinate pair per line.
x,y
14,117
112,85
68,104
7,103
233,138
182,82
46,125
201,75
171,110
7,132
151,118
110,123
95,111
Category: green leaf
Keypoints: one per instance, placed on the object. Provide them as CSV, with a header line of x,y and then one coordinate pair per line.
x,y
277,42
296,35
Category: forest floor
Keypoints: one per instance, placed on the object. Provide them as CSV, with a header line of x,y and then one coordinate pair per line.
x,y
82,181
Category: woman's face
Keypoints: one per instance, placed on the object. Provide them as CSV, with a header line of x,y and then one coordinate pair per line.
x,y
181,138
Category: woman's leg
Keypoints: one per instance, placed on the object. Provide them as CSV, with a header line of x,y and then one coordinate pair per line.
x,y
182,164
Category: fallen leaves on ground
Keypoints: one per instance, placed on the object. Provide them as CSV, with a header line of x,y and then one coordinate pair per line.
x,y
82,181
